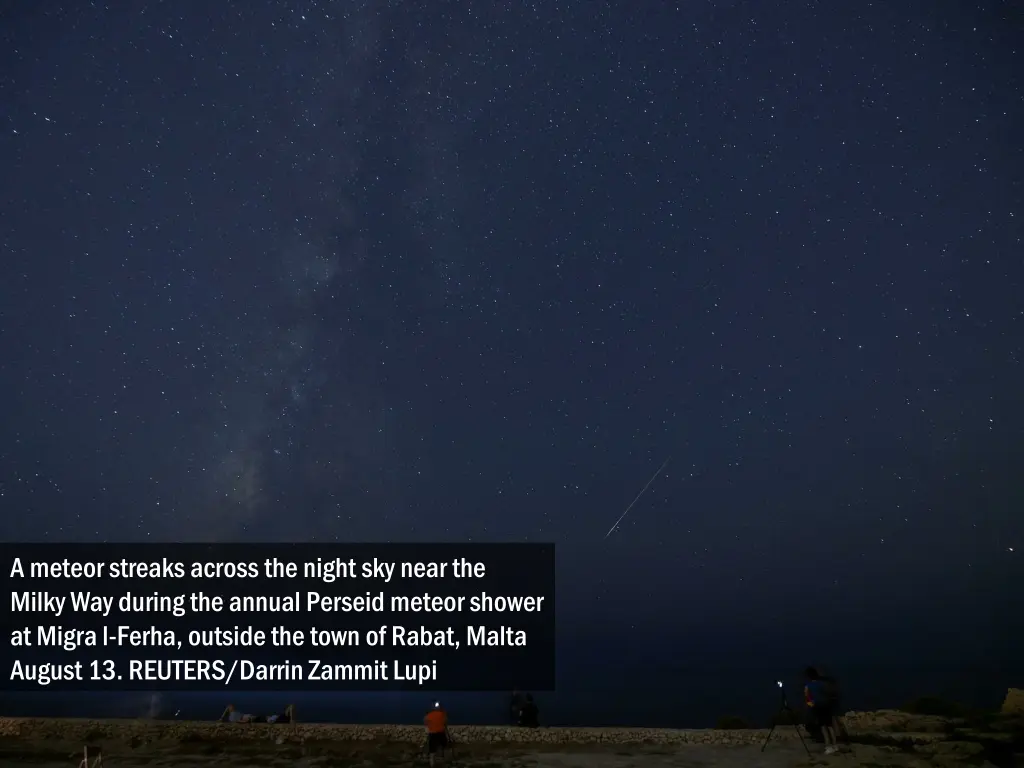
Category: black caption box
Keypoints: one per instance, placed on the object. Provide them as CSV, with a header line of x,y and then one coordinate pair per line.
x,y
386,617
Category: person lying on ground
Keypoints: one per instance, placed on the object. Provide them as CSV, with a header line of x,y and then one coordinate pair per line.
x,y
232,715
286,717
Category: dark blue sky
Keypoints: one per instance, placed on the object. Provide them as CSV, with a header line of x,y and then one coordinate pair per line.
x,y
455,271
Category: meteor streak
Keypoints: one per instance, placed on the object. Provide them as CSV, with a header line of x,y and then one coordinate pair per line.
x,y
634,501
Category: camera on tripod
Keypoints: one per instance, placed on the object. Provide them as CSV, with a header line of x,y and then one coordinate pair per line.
x,y
783,699
785,715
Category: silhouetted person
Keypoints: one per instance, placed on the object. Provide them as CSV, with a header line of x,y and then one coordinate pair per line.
x,y
529,716
834,696
436,722
515,706
819,708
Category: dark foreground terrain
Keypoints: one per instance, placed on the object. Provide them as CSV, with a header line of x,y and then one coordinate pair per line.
x,y
880,740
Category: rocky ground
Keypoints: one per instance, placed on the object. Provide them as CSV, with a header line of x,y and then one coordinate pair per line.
x,y
880,740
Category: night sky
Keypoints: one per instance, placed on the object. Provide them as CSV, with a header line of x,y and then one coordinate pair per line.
x,y
397,271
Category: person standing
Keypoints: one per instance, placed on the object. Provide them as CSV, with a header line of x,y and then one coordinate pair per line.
x,y
436,722
819,707
834,696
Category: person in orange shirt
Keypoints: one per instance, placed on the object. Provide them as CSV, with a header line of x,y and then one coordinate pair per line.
x,y
436,721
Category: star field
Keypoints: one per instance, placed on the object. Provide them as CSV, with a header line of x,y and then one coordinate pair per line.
x,y
417,272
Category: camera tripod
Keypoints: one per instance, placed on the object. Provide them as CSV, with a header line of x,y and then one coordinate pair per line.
x,y
785,711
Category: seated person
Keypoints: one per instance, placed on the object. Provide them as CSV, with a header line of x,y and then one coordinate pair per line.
x,y
515,707
436,722
529,716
